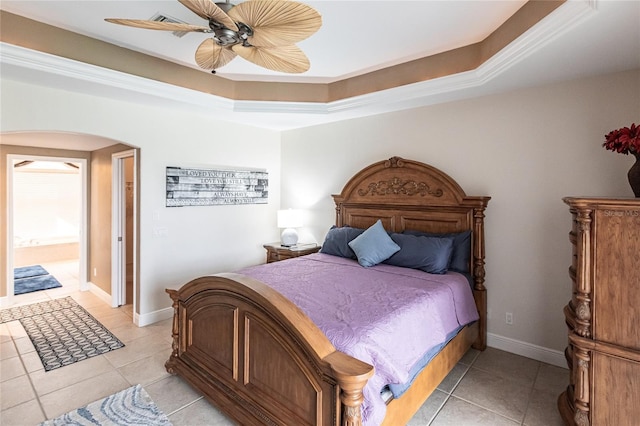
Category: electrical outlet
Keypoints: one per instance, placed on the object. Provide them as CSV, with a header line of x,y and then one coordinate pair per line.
x,y
95,272
509,318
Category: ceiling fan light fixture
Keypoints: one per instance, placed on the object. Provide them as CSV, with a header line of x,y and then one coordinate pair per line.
x,y
244,31
226,37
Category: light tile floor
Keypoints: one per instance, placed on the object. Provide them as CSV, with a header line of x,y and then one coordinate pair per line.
x,y
486,388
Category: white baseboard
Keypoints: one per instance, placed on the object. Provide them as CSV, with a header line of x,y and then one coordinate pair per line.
x,y
152,317
539,353
139,320
102,295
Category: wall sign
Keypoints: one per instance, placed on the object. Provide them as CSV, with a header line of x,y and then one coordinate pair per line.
x,y
208,187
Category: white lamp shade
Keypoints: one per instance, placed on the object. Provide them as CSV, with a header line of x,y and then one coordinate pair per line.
x,y
289,218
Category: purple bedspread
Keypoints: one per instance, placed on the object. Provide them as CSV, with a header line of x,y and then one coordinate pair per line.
x,y
386,316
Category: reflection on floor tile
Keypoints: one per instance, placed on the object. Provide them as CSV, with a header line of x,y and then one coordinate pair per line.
x,y
542,410
505,397
491,387
507,365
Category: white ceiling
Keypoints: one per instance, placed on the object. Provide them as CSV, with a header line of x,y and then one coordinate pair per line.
x,y
581,38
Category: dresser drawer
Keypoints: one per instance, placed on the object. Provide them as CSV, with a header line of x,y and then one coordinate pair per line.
x,y
616,393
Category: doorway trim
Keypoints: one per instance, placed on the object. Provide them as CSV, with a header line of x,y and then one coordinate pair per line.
x,y
82,238
118,228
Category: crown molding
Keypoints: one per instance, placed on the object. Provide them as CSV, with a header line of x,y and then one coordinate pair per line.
x,y
20,58
31,66
547,30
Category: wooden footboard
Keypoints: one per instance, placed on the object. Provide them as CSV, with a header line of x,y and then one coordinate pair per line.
x,y
258,358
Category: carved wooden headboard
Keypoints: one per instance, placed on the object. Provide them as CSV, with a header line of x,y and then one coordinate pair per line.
x,y
407,194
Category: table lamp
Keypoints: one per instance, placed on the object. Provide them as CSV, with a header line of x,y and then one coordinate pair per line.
x,y
289,220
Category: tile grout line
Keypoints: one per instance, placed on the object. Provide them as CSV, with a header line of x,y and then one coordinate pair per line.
x,y
27,373
520,422
185,406
533,386
435,415
470,366
450,394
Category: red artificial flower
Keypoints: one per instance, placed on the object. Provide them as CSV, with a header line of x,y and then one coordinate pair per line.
x,y
624,140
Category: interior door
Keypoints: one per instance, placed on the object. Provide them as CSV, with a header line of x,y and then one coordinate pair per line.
x,y
123,265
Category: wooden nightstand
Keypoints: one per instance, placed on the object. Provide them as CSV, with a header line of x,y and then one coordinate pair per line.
x,y
277,252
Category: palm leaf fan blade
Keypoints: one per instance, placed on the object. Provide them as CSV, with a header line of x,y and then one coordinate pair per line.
x,y
153,25
210,55
289,59
207,9
277,23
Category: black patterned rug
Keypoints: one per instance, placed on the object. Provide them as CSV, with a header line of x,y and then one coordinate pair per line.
x,y
62,331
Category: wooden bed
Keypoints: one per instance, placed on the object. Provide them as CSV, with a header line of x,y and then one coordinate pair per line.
x,y
262,361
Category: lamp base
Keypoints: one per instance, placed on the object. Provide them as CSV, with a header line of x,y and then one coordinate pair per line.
x,y
289,237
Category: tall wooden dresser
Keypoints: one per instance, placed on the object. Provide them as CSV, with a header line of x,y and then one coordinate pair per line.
x,y
603,316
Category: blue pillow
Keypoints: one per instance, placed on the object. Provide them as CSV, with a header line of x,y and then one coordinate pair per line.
x,y
337,241
374,245
461,256
429,254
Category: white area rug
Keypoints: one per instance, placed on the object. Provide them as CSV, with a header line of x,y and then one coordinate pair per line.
x,y
129,407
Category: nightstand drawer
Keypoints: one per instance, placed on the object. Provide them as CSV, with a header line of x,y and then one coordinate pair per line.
x,y
274,256
277,252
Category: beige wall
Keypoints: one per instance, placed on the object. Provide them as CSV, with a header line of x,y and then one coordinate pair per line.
x,y
100,218
6,150
526,149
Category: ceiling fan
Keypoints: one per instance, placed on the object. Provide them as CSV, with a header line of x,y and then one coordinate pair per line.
x,y
261,31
